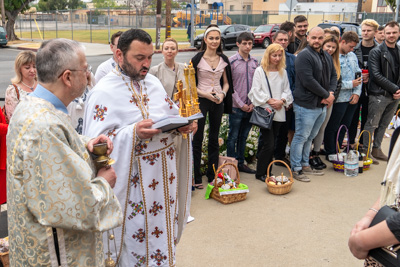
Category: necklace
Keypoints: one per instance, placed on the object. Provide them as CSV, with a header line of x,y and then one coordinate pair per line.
x,y
30,87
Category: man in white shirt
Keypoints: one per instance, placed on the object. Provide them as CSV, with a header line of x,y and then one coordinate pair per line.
x,y
108,65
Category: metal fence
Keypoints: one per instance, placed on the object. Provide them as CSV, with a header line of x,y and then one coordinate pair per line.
x,y
90,25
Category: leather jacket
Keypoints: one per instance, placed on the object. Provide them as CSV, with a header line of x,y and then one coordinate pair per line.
x,y
381,71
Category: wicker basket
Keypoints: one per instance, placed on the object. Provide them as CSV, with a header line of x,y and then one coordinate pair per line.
x,y
367,161
279,189
5,259
338,165
227,199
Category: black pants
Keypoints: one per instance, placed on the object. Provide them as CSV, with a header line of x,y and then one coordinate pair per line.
x,y
266,153
363,104
281,139
215,112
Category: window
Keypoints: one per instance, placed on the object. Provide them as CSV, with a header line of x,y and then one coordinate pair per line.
x,y
381,3
231,7
248,7
265,0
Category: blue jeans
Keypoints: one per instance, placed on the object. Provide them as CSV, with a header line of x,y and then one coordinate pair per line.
x,y
308,122
239,128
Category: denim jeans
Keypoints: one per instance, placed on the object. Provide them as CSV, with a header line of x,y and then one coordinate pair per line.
x,y
381,110
214,112
308,122
342,114
239,128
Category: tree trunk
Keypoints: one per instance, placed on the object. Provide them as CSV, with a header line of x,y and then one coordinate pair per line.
x,y
11,16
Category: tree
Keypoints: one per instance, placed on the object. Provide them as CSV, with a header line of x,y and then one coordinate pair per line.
x,y
104,3
13,8
392,5
50,5
140,6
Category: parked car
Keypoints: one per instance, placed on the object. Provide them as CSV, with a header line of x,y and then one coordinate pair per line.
x,y
229,33
263,34
343,26
3,37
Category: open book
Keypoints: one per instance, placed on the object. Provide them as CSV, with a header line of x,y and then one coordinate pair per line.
x,y
172,122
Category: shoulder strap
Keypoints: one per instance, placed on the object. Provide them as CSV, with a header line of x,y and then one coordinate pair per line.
x,y
16,91
269,86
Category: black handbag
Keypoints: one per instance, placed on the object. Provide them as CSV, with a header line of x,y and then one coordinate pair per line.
x,y
387,256
262,117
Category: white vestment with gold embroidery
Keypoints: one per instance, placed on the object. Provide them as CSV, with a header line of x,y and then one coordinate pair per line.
x,y
158,203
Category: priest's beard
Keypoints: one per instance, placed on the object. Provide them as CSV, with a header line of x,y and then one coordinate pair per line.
x,y
132,72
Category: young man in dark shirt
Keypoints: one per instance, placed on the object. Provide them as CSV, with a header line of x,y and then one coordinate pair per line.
x,y
383,90
301,28
369,28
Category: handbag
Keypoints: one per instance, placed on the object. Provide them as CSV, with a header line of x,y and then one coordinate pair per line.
x,y
262,117
387,256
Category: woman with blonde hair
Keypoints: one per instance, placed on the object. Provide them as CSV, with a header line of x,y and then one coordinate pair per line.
x,y
330,45
270,90
23,83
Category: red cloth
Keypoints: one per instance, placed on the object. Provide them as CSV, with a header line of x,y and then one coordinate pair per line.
x,y
3,158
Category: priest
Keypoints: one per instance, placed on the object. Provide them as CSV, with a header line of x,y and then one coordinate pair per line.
x,y
153,193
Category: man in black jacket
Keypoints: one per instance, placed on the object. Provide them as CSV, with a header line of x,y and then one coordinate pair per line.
x,y
383,90
369,28
315,85
301,27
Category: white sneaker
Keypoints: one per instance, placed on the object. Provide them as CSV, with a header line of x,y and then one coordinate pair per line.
x,y
309,171
190,219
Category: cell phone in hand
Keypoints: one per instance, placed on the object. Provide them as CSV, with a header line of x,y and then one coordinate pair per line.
x,y
215,96
358,75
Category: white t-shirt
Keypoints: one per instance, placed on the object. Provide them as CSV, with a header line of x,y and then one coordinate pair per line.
x,y
104,68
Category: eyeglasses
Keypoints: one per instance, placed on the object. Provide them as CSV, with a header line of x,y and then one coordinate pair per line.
x,y
88,70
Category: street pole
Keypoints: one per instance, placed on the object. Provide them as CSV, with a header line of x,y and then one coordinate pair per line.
x,y
192,14
158,24
397,10
168,19
290,10
3,16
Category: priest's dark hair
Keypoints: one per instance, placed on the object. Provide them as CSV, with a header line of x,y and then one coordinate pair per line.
x,y
131,35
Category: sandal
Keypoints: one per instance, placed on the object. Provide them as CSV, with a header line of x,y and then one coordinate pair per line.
x,y
198,186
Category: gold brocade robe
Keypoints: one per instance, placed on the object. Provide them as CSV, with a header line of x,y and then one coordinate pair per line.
x,y
51,183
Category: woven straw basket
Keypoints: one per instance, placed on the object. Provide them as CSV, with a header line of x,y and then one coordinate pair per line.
x,y
338,165
367,161
5,259
227,199
279,189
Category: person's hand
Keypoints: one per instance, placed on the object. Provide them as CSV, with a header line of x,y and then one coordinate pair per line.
x,y
354,99
195,126
357,82
245,108
144,131
328,101
365,77
362,224
275,103
109,175
251,108
396,95
186,129
98,140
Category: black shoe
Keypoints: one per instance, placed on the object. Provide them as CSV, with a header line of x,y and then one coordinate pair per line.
x,y
319,162
314,164
246,169
262,178
322,152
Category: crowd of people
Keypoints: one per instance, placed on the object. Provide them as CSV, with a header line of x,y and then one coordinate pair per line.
x,y
314,80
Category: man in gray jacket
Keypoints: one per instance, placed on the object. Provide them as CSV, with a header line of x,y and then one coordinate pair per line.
x,y
383,88
315,84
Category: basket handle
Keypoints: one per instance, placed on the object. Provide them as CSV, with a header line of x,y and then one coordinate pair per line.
x,y
281,161
397,113
369,140
337,139
220,169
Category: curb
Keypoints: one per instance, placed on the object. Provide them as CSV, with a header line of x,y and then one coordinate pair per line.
x,y
27,48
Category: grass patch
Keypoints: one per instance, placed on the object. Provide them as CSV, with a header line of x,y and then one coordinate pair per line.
x,y
101,36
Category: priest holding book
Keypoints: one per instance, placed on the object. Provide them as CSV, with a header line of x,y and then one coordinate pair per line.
x,y
154,194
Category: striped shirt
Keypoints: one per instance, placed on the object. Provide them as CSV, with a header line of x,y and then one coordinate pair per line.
x,y
242,76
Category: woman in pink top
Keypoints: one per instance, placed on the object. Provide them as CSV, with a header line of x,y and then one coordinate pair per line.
x,y
214,87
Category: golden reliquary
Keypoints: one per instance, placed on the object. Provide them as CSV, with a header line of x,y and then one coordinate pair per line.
x,y
187,97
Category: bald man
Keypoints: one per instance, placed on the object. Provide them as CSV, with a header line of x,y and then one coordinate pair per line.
x,y
315,85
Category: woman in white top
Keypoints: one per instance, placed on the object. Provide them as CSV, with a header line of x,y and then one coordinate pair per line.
x,y
24,82
272,67
169,71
